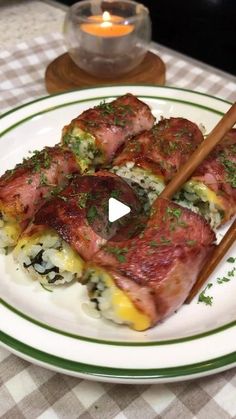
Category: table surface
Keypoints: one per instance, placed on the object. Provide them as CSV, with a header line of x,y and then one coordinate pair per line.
x,y
27,390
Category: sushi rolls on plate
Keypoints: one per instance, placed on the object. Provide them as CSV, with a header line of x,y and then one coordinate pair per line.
x,y
97,133
140,282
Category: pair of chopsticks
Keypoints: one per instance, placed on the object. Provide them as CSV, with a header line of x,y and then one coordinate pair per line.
x,y
216,135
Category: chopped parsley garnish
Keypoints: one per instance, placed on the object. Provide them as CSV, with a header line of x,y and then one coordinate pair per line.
x,y
137,147
55,191
39,160
82,199
43,179
206,299
125,109
176,212
118,112
92,214
181,132
164,240
231,273
230,168
153,243
115,193
118,253
117,121
222,280
231,259
191,242
106,108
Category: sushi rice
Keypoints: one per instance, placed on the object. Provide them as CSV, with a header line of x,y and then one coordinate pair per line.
x,y
152,184
111,302
48,258
194,195
202,200
83,145
9,234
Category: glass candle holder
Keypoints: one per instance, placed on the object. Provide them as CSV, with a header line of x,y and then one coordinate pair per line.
x,y
107,38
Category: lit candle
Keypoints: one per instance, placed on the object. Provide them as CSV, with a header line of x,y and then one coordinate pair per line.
x,y
107,43
107,26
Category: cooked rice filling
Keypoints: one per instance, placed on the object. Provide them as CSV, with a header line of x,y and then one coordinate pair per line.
x,y
83,144
111,302
202,200
9,233
194,195
49,259
135,176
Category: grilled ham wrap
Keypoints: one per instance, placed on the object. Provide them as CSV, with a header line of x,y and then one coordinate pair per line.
x,y
97,133
141,281
212,187
25,188
66,231
152,158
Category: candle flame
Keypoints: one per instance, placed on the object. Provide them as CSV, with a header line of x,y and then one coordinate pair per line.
x,y
106,17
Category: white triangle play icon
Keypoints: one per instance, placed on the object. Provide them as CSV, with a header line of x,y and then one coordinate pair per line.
x,y
116,209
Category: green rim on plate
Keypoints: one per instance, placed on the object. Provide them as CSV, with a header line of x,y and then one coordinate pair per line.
x,y
16,108
117,343
53,108
101,371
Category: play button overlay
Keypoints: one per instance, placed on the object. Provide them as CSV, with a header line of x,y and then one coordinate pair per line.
x,y
113,208
116,210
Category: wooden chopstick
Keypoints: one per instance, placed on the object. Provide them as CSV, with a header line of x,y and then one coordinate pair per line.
x,y
227,241
216,135
220,130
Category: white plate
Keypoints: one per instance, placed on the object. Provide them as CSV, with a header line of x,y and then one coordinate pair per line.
x,y
52,330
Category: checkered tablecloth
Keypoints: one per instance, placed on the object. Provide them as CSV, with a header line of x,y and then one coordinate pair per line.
x,y
29,391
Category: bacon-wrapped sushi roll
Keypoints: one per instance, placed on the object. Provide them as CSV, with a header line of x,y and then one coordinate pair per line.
x,y
141,281
152,158
97,133
212,187
24,189
66,230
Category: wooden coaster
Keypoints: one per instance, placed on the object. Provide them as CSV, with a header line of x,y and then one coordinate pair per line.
x,y
62,74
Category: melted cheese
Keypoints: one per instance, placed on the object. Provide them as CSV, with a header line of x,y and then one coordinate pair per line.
x,y
12,230
70,260
125,309
25,242
205,193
